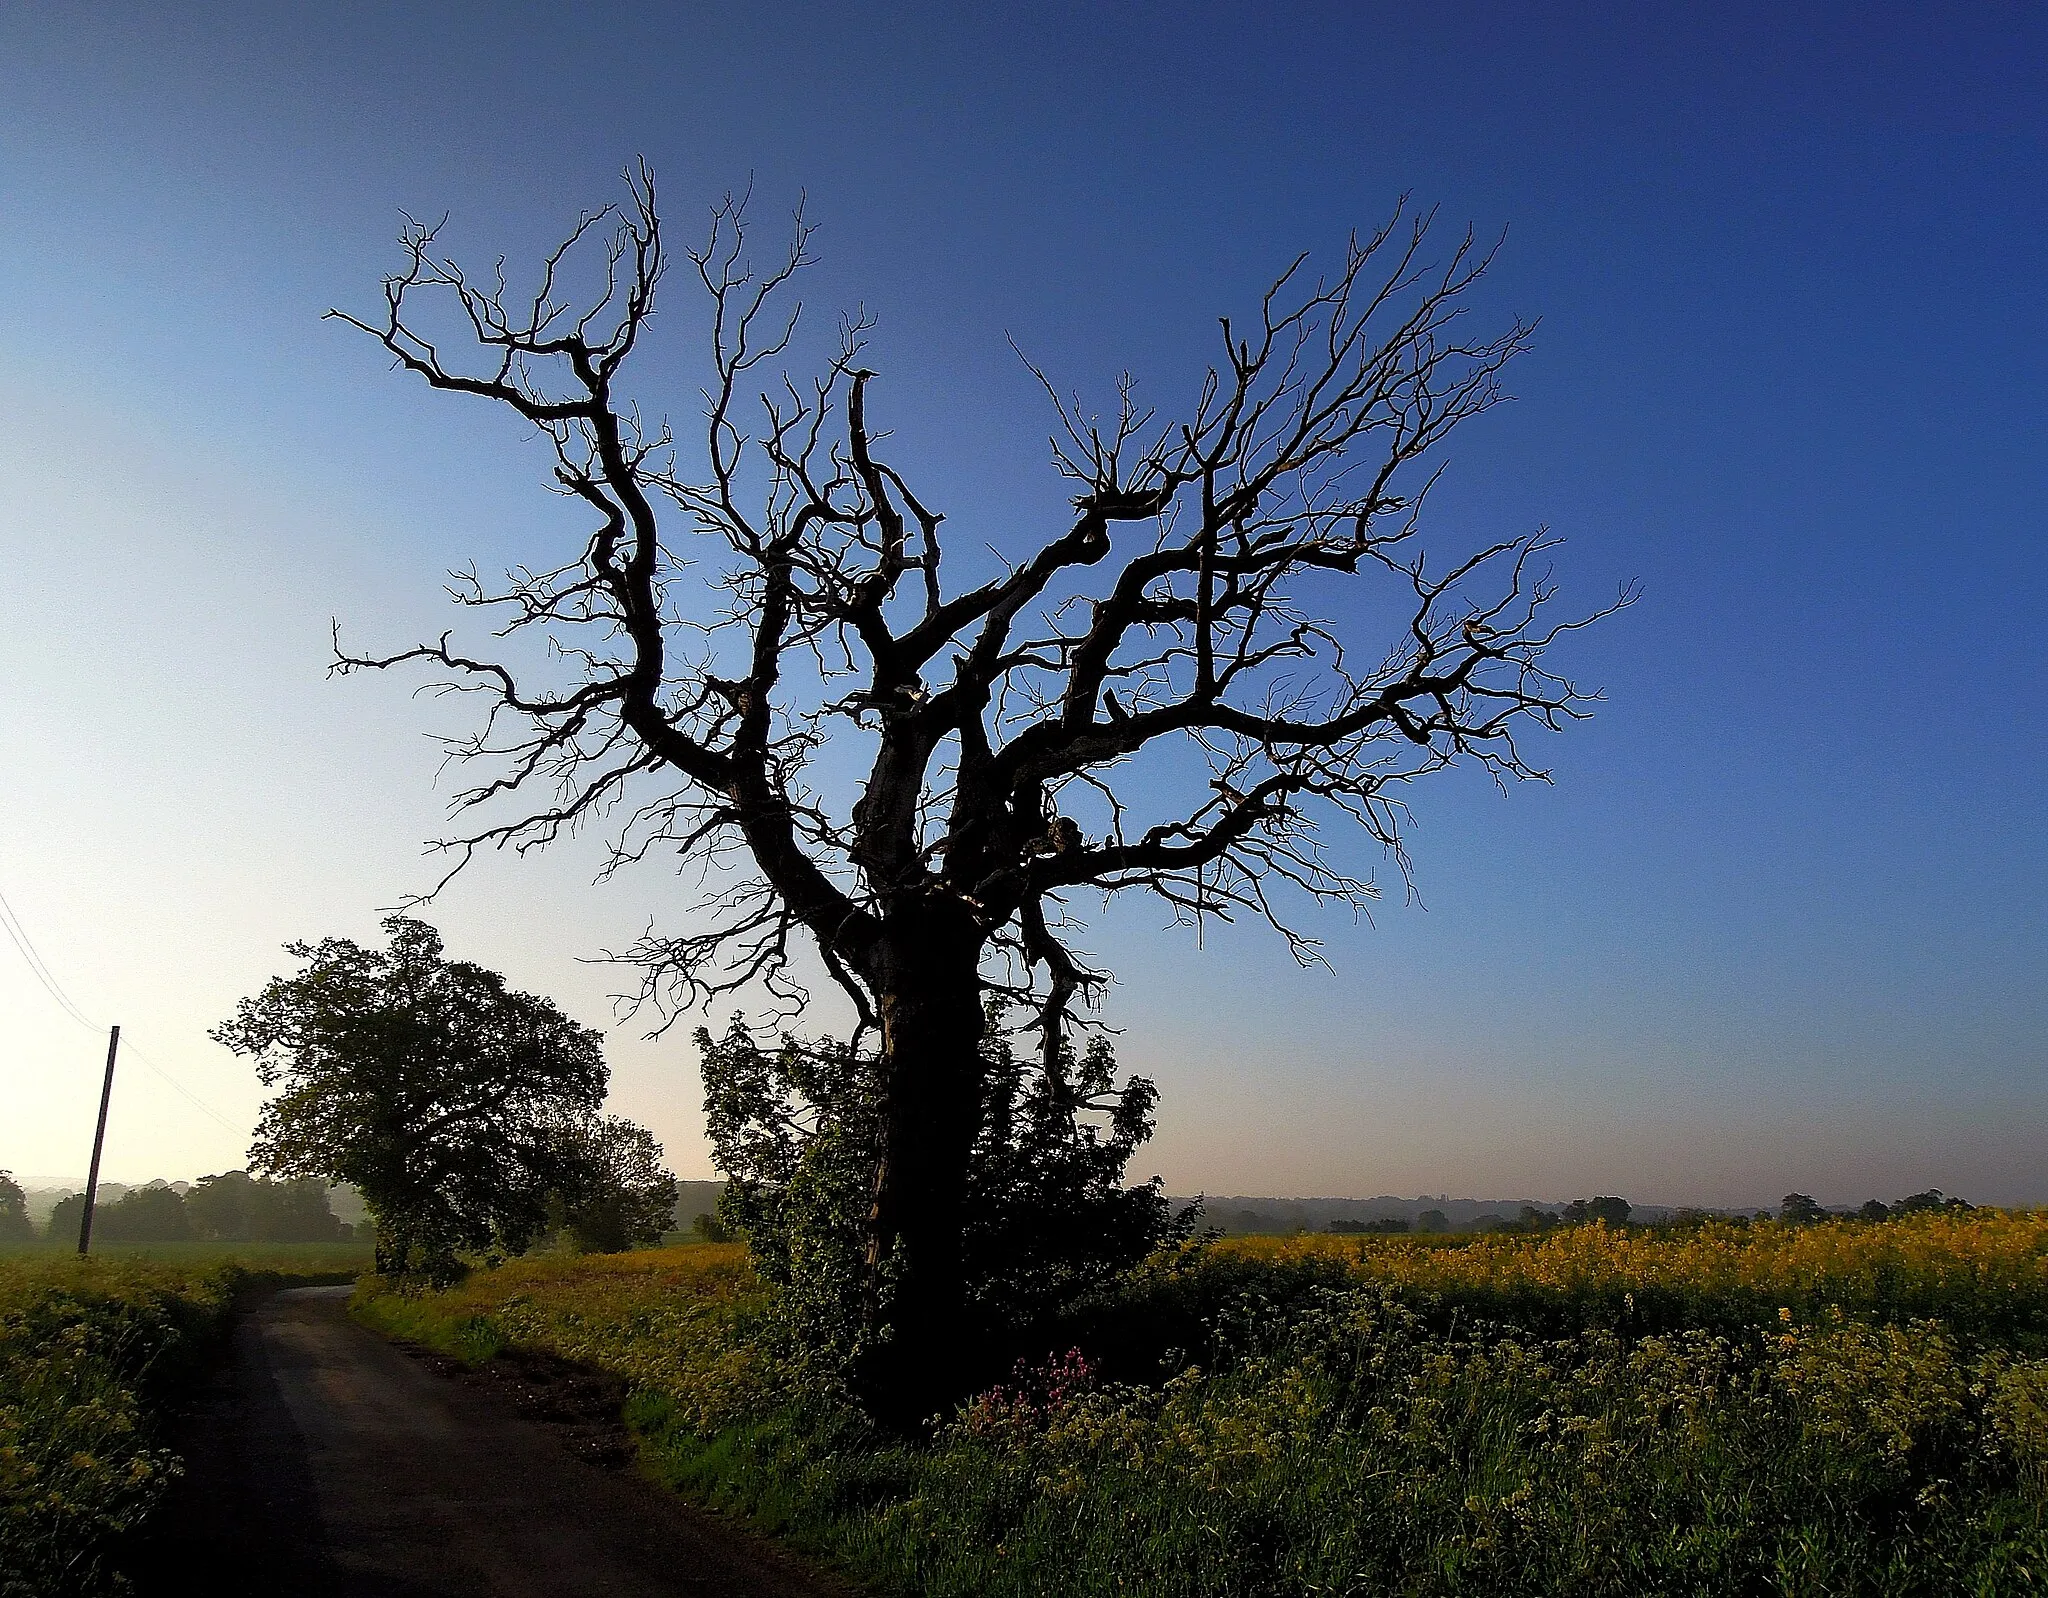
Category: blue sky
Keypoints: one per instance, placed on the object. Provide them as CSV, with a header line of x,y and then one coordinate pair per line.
x,y
1778,923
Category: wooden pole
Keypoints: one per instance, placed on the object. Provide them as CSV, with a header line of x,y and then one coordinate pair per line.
x,y
99,1138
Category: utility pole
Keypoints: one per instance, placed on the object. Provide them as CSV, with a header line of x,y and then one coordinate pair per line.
x,y
99,1138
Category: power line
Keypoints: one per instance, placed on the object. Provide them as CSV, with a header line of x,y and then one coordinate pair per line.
x,y
42,973
179,1088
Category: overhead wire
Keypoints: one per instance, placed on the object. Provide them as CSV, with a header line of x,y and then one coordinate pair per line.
x,y
41,971
180,1089
39,968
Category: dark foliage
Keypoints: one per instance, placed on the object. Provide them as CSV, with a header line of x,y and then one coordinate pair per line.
x,y
798,1128
235,1207
62,1226
1613,1211
1529,1219
1932,1199
427,1083
153,1214
143,1215
15,1226
617,1195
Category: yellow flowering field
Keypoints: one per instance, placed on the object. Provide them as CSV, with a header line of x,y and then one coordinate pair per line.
x,y
1733,1409
1982,1270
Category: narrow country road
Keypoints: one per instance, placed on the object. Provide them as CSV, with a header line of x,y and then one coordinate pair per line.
x,y
324,1463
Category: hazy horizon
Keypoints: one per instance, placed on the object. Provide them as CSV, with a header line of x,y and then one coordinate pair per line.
x,y
1777,925
1215,1200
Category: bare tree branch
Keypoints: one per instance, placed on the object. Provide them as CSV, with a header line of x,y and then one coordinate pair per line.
x,y
1200,603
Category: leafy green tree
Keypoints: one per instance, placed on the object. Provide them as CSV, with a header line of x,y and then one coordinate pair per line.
x,y
1799,1209
220,1207
15,1226
1610,1210
235,1207
799,1127
426,1082
1932,1199
153,1214
618,1194
1432,1221
65,1216
294,1211
1874,1210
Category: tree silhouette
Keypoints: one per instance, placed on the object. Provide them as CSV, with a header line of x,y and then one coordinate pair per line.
x,y
430,1085
236,1207
151,1214
1200,616
616,1192
1799,1209
15,1226
1610,1210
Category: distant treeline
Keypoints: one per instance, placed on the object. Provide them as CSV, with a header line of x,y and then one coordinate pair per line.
x,y
1269,1217
1240,1216
233,1207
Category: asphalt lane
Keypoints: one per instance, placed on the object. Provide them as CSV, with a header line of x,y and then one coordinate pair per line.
x,y
324,1463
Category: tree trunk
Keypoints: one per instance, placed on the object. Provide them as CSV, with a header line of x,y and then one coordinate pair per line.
x,y
931,1020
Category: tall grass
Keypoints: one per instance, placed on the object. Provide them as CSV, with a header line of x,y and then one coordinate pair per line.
x,y
90,1352
1745,1410
679,1321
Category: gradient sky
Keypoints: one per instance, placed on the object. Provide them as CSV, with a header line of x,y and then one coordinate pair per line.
x,y
1779,923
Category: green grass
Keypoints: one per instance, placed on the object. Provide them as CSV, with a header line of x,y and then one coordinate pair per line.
x,y
91,1353
1332,1427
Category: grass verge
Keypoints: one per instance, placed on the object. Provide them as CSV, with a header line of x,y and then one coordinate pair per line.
x,y
1530,1416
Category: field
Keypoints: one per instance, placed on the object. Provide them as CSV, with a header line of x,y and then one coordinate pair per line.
x,y
91,1351
1837,1409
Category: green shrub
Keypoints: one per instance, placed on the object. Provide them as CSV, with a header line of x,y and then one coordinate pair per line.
x,y
1046,1214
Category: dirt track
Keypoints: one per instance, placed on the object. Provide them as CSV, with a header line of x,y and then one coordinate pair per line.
x,y
325,1463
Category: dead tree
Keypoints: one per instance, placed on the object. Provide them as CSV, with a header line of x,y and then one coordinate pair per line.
x,y
726,617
